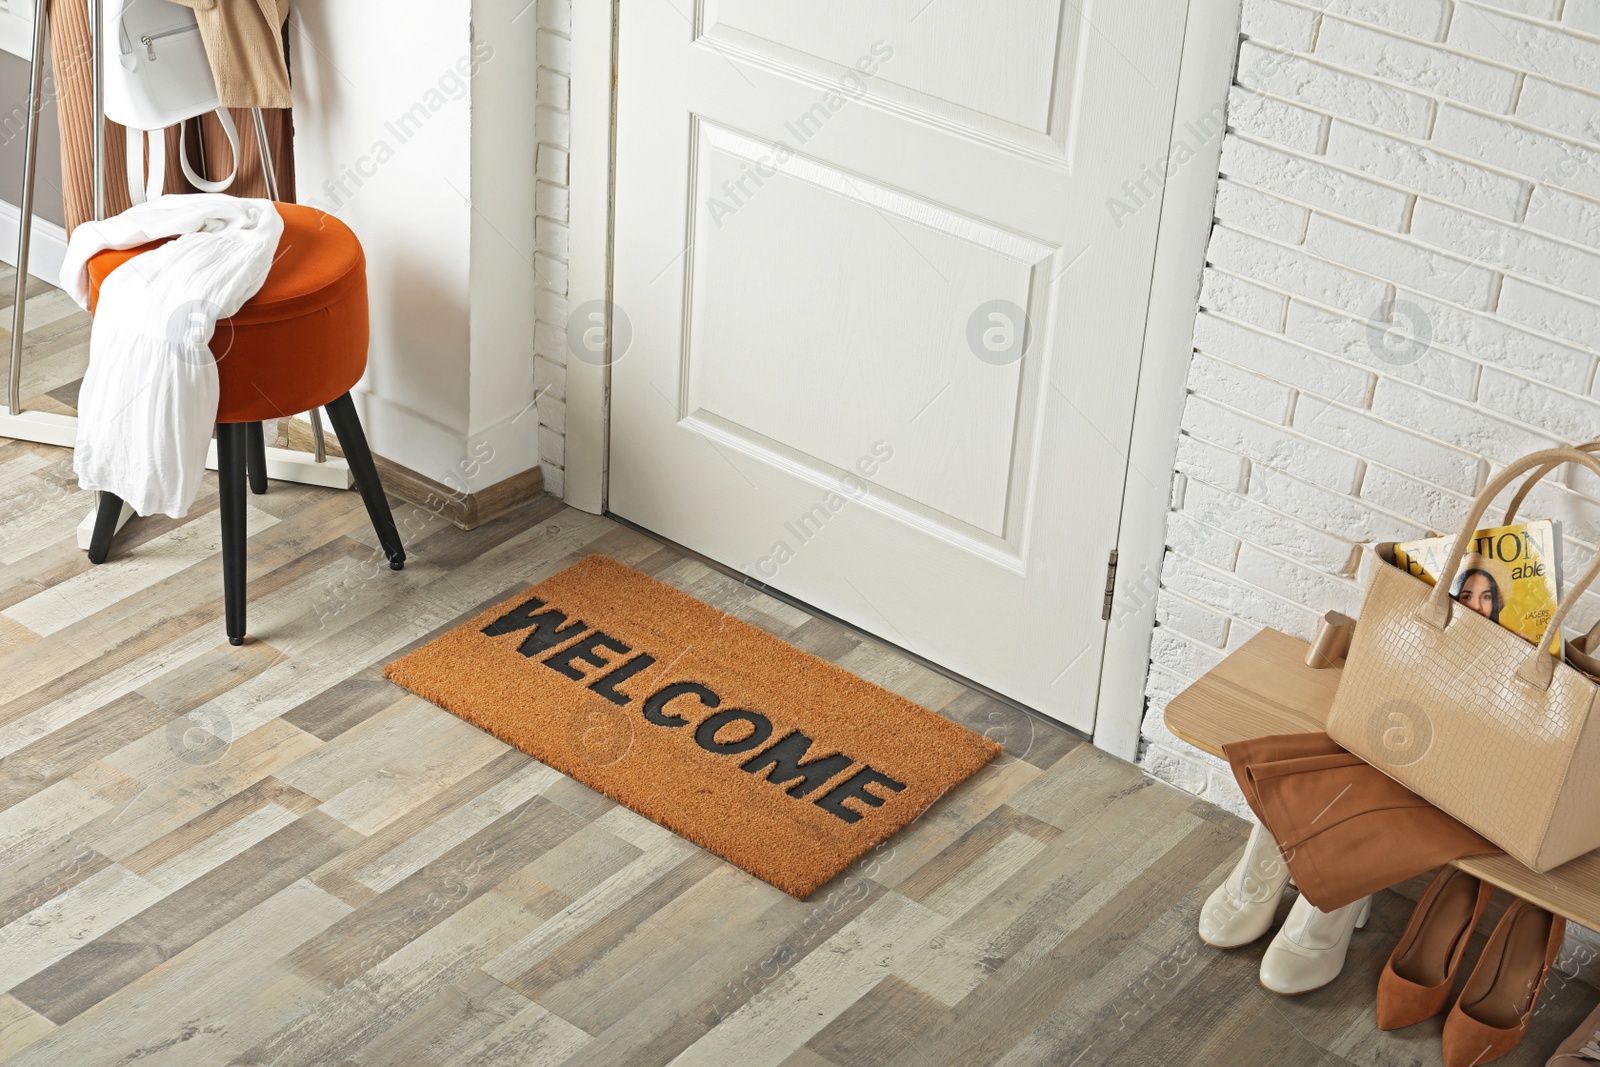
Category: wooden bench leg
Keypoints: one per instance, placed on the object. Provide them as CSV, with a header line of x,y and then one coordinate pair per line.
x,y
347,425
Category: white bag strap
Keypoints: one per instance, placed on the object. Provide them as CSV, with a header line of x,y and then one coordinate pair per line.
x,y
203,184
135,144
140,188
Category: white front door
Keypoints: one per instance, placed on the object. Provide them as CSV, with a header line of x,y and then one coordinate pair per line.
x,y
884,267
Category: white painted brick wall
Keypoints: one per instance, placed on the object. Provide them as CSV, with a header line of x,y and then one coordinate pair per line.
x,y
1402,293
552,121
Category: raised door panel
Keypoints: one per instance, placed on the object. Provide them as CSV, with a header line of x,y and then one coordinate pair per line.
x,y
828,315
1009,78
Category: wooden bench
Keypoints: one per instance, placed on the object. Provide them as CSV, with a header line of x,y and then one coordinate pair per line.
x,y
1265,687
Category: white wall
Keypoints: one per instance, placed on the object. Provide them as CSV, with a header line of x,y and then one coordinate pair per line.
x,y
550,303
1441,156
1434,159
504,428
417,132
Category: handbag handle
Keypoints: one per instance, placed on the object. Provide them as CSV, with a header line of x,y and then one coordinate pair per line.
x,y
229,131
141,189
1527,486
1539,668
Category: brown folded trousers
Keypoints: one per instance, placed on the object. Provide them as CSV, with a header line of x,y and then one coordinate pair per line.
x,y
1345,828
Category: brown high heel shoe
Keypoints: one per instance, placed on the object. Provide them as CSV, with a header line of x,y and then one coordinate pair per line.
x,y
1415,983
1497,1003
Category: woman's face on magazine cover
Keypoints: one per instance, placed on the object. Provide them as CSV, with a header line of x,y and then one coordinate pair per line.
x,y
1477,593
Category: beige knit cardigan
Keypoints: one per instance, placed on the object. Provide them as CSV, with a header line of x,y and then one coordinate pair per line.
x,y
244,42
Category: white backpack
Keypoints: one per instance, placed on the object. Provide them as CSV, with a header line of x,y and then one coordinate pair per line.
x,y
157,75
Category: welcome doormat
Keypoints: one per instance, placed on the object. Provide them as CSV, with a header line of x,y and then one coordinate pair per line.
x,y
774,759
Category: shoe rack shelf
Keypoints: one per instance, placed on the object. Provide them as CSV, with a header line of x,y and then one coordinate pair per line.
x,y
1264,687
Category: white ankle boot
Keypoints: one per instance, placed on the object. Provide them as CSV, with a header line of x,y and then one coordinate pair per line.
x,y
1241,909
1309,951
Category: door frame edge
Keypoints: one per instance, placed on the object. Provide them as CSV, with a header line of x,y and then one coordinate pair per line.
x,y
590,166
1205,75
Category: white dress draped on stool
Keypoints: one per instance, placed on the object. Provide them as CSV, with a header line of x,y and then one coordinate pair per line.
x,y
149,398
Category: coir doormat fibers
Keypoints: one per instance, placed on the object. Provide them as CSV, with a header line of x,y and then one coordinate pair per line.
x,y
766,755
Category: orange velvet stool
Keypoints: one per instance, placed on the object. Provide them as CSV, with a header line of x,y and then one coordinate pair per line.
x,y
297,344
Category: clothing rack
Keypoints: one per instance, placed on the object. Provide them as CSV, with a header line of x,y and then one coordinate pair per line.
x,y
47,427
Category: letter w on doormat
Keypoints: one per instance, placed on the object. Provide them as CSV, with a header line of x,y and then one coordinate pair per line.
x,y
772,758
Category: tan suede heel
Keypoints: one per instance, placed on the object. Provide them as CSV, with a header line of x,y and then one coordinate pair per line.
x,y
1415,983
1497,1003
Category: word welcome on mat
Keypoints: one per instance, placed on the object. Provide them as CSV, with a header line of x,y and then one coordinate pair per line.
x,y
776,760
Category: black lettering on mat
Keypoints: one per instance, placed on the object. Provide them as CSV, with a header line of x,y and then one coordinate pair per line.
x,y
655,709
787,760
784,762
760,729
855,787
588,650
606,685
517,618
550,627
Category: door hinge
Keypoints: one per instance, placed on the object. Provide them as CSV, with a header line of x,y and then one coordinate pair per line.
x,y
1111,586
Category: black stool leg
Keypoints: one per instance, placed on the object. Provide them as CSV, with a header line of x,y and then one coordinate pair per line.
x,y
256,457
105,526
342,413
231,448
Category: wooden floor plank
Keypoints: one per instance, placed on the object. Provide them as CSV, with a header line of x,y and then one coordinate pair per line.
x,y
81,598
878,1026
47,873
422,771
355,1013
207,1003
20,1026
816,990
76,744
174,783
58,928
271,855
534,1037
456,1018
177,918
432,895
436,835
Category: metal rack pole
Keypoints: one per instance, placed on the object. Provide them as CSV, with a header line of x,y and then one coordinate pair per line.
x,y
269,173
25,222
98,135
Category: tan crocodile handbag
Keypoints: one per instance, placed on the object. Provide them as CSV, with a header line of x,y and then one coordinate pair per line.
x,y
1500,734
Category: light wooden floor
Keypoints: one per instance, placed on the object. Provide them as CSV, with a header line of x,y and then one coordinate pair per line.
x,y
56,333
268,855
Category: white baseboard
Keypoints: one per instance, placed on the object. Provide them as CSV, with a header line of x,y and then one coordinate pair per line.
x,y
465,462
49,247
16,28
